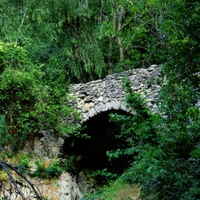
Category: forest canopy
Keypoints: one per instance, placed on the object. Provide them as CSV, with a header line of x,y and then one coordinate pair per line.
x,y
88,39
45,45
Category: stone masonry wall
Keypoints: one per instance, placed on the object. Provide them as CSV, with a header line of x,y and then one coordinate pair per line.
x,y
105,94
98,96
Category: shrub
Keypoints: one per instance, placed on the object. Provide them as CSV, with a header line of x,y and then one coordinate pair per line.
x,y
52,170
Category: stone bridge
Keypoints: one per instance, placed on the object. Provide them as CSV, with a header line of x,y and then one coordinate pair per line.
x,y
103,96
106,94
96,99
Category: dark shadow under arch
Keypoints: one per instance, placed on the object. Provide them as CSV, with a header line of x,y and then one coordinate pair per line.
x,y
91,153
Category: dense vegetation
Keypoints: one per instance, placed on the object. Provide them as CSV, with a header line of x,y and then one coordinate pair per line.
x,y
44,45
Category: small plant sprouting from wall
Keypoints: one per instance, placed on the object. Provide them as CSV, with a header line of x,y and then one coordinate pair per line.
x,y
150,81
47,169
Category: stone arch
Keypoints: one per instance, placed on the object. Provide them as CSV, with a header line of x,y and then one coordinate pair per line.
x,y
95,100
90,152
101,95
103,107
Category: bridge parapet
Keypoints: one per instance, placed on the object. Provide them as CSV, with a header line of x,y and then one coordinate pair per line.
x,y
107,94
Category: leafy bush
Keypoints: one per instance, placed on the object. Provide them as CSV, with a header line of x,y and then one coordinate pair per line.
x,y
165,151
101,177
28,101
16,91
50,171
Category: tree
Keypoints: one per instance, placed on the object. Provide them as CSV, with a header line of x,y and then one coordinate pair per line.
x,y
28,104
131,30
55,30
88,39
27,101
166,150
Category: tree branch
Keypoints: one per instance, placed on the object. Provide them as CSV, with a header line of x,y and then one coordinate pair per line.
x,y
2,163
5,166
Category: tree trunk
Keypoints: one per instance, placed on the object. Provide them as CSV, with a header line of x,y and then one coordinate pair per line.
x,y
120,12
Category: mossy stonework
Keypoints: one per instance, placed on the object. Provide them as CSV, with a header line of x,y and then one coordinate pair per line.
x,y
96,97
106,94
91,100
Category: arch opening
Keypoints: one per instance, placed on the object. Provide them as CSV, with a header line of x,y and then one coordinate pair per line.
x,y
91,153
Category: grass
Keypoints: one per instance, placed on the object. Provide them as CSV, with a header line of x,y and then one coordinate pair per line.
x,y
116,191
122,191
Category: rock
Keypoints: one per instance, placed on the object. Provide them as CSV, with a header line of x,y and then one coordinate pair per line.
x,y
108,90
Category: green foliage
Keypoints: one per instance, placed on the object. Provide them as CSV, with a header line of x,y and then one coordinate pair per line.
x,y
47,169
12,55
131,30
69,165
140,127
28,101
51,107
98,195
87,39
115,190
16,91
180,20
60,30
51,171
165,150
46,44
101,176
24,163
5,137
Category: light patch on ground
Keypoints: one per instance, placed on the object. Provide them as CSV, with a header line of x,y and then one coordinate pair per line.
x,y
127,193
